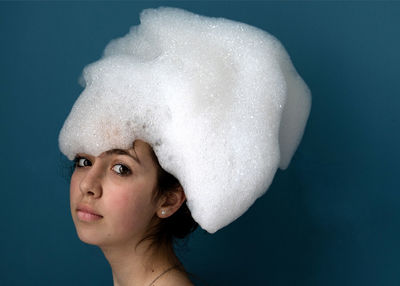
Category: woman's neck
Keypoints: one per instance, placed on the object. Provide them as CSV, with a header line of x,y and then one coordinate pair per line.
x,y
137,266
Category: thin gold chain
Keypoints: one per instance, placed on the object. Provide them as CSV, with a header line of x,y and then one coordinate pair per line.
x,y
163,274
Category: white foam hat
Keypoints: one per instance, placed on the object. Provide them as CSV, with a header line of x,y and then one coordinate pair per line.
x,y
219,101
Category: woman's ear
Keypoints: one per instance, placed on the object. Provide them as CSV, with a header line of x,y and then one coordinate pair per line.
x,y
171,202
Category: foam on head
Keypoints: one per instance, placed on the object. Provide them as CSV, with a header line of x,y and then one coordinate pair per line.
x,y
219,101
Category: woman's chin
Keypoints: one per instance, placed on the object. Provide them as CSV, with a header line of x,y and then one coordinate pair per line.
x,y
89,238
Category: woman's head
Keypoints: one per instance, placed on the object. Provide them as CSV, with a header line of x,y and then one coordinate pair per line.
x,y
220,121
124,196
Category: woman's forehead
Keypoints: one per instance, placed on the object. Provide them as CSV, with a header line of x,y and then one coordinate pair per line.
x,y
139,151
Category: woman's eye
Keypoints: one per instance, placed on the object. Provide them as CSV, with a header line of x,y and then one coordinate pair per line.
x,y
121,169
82,162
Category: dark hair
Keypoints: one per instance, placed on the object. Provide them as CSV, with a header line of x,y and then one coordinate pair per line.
x,y
177,226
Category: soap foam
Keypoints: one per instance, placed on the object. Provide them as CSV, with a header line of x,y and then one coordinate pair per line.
x,y
219,101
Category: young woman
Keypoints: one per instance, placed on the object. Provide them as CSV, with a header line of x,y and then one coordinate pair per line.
x,y
125,203
221,105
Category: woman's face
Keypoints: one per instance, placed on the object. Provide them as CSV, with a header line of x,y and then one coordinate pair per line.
x,y
111,195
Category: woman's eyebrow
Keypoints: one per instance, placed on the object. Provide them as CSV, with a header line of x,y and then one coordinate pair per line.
x,y
123,152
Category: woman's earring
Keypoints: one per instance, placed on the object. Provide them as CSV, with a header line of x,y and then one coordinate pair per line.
x,y
163,212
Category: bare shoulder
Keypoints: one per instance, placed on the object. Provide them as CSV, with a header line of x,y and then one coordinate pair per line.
x,y
174,278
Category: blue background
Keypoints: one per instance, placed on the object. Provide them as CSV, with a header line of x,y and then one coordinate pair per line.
x,y
332,218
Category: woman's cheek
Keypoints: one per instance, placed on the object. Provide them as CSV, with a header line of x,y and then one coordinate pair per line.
x,y
130,208
74,191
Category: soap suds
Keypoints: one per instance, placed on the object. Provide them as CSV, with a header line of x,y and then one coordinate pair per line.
x,y
219,101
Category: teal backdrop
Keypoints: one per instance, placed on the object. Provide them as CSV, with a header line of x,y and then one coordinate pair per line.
x,y
332,218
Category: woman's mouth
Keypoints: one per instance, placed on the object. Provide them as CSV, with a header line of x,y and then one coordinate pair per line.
x,y
86,213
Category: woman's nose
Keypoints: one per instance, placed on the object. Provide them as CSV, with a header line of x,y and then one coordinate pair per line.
x,y
91,183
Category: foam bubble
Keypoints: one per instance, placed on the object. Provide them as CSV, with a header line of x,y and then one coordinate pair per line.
x,y
219,101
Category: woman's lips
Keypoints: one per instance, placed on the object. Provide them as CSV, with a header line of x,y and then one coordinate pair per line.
x,y
86,213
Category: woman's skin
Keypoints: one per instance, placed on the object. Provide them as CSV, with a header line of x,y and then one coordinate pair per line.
x,y
111,199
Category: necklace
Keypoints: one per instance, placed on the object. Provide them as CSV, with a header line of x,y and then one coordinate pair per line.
x,y
162,274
